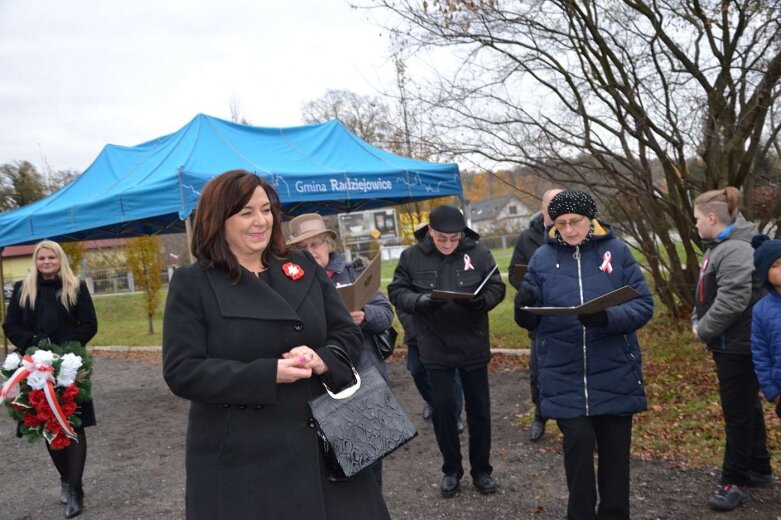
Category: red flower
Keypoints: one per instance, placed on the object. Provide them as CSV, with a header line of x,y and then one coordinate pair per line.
x,y
292,270
53,426
60,441
44,412
30,419
68,408
70,393
36,397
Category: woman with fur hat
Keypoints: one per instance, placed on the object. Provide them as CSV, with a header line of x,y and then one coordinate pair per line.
x,y
590,375
766,320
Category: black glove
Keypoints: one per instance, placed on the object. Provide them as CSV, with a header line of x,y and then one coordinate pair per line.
x,y
425,305
476,304
527,295
597,319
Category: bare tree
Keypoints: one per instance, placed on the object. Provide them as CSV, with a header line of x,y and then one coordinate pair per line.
x,y
366,116
645,103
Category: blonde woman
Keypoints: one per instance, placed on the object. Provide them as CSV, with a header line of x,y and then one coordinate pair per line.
x,y
51,303
727,289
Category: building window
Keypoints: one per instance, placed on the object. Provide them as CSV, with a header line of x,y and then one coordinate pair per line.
x,y
512,210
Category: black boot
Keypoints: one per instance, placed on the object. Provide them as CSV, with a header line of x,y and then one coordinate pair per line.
x,y
64,490
75,503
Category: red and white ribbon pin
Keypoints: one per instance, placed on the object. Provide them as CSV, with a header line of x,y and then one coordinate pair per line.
x,y
606,267
468,263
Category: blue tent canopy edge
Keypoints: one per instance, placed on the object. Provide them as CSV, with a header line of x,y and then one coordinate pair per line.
x,y
150,188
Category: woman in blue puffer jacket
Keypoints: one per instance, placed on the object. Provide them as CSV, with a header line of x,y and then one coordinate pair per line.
x,y
590,373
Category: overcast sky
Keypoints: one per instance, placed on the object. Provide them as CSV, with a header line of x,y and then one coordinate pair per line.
x,y
76,75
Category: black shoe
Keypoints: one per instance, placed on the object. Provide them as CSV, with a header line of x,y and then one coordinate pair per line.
x,y
728,497
75,504
64,490
460,426
427,412
449,485
485,483
537,430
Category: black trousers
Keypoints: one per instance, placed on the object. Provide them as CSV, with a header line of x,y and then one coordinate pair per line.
x,y
744,421
420,377
613,436
474,380
534,380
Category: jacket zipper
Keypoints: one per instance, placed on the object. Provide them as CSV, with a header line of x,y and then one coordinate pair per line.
x,y
576,256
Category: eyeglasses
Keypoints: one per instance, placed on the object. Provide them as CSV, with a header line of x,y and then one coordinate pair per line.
x,y
445,239
563,224
312,244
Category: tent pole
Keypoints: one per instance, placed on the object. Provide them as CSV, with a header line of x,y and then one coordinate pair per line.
x,y
188,229
2,300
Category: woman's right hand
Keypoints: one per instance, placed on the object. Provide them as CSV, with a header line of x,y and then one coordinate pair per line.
x,y
290,371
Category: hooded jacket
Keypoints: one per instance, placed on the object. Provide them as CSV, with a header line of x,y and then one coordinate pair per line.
x,y
529,241
453,335
766,340
727,289
596,370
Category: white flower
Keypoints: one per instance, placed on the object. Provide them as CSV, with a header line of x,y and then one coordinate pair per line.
x,y
68,369
43,356
12,361
37,379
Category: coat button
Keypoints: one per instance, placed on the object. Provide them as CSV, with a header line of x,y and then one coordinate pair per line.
x,y
298,326
242,407
311,423
226,406
258,407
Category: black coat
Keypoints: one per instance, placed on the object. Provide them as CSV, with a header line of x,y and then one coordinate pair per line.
x,y
50,318
251,450
453,335
528,242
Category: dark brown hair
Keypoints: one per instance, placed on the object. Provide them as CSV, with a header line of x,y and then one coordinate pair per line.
x,y
221,198
724,203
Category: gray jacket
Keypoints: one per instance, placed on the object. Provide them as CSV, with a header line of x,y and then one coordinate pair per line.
x,y
727,289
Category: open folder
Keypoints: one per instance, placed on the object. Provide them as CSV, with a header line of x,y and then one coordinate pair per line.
x,y
600,303
436,294
358,293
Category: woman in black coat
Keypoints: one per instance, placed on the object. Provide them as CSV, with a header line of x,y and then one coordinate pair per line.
x,y
52,304
246,331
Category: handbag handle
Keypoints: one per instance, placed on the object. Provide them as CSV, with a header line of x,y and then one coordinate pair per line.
x,y
347,392
350,390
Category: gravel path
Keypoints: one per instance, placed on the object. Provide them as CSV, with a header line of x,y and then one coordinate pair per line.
x,y
135,466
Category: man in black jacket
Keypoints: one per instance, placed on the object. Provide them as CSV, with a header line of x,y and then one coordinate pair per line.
x,y
529,240
452,334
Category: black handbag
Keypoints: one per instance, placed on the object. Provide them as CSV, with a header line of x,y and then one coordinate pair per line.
x,y
360,425
385,342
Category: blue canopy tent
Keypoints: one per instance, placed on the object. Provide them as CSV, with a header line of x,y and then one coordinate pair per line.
x,y
153,187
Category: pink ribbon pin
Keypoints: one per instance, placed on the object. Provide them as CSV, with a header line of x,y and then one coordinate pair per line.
x,y
468,263
606,267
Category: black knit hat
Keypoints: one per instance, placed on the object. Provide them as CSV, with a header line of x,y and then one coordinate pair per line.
x,y
572,202
446,219
766,252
